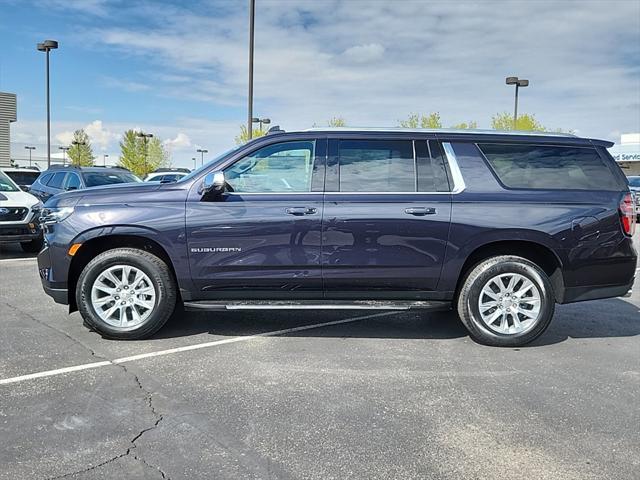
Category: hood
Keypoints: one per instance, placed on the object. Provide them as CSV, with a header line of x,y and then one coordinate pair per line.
x,y
119,193
17,199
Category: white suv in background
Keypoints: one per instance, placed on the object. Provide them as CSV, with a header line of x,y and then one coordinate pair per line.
x,y
19,216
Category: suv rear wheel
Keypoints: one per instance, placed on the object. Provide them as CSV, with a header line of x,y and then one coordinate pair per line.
x,y
506,301
126,293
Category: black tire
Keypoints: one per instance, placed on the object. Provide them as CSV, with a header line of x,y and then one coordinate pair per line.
x,y
32,246
479,276
156,270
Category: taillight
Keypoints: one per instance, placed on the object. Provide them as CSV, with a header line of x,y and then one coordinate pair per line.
x,y
628,214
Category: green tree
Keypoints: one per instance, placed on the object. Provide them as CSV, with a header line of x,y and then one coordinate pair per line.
x,y
337,122
422,121
80,152
243,136
525,122
140,155
465,125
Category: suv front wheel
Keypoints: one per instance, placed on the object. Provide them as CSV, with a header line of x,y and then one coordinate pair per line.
x,y
126,293
506,301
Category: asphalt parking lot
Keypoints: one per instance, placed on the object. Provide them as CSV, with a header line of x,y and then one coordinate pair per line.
x,y
314,395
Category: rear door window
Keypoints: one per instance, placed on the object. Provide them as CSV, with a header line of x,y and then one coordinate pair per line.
x,y
57,180
377,166
72,182
549,167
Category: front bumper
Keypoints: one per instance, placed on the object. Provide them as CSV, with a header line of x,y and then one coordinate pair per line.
x,y
19,232
55,289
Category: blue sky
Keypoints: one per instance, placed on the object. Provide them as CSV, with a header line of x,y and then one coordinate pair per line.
x,y
179,69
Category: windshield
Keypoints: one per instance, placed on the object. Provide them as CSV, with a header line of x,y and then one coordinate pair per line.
x,y
24,177
99,179
6,184
634,181
207,165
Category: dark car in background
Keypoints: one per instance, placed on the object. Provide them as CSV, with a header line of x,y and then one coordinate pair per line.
x,y
498,226
22,176
59,179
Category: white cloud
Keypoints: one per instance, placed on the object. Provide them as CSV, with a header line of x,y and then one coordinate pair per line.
x,y
99,136
65,138
180,141
364,53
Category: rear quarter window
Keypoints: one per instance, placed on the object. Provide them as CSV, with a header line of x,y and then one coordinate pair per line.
x,y
56,181
549,167
42,180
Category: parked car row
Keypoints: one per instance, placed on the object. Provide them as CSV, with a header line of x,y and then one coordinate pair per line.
x,y
19,216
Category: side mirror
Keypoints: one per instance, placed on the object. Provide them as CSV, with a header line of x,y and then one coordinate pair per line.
x,y
213,182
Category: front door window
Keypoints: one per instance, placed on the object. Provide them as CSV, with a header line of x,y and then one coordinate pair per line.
x,y
281,168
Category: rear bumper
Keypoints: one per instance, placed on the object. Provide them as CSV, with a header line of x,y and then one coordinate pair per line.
x,y
581,294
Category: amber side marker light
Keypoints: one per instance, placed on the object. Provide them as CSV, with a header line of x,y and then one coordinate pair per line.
x,y
74,248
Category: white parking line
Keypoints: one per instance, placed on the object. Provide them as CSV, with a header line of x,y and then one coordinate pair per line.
x,y
170,351
30,259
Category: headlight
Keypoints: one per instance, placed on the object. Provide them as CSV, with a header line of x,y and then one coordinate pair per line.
x,y
55,215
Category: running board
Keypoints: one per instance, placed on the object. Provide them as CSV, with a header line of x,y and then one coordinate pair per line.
x,y
315,305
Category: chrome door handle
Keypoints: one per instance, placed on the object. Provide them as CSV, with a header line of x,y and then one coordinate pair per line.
x,y
420,211
300,211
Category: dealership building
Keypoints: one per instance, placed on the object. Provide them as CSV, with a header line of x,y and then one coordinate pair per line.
x,y
7,116
627,153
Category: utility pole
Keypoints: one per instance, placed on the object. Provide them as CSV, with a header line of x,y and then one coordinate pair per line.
x,y
30,149
252,11
145,137
518,82
202,152
64,154
46,47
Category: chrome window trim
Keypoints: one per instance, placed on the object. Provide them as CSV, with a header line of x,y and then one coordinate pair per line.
x,y
456,175
339,193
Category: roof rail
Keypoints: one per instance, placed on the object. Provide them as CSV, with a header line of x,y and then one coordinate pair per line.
x,y
54,167
440,130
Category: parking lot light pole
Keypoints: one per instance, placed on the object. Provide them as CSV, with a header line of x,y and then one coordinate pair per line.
x,y
261,121
145,137
194,162
64,154
77,144
252,11
46,47
30,150
202,152
518,82
104,159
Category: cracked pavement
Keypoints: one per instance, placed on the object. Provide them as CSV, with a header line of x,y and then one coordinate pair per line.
x,y
402,396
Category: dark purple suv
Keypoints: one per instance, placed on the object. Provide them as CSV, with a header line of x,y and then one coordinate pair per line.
x,y
498,226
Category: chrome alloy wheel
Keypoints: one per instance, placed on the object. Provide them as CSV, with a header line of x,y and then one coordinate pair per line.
x,y
123,296
509,304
